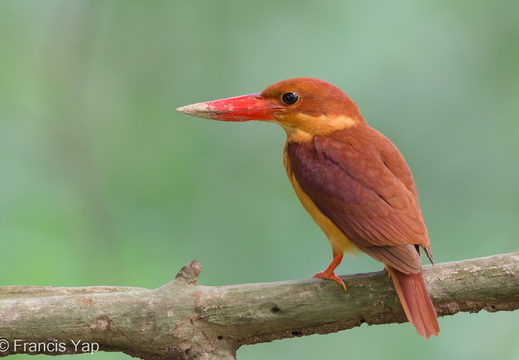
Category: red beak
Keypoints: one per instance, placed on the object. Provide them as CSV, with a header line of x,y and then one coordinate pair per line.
x,y
239,108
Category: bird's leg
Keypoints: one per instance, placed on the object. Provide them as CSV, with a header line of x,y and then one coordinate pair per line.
x,y
329,272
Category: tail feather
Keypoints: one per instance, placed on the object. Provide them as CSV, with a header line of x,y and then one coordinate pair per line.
x,y
416,302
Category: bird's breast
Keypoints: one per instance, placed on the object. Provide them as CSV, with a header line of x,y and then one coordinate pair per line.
x,y
338,240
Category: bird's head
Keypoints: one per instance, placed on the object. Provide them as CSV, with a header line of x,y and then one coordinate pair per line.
x,y
304,107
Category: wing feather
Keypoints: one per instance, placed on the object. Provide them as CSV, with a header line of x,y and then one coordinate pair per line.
x,y
368,193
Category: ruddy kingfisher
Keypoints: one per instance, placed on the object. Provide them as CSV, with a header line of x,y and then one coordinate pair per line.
x,y
351,179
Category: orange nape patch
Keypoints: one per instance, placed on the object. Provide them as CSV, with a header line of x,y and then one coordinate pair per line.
x,y
302,128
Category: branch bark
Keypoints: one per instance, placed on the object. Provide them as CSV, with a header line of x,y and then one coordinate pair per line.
x,y
184,320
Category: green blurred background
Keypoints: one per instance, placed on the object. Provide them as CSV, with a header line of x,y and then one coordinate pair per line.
x,y
103,183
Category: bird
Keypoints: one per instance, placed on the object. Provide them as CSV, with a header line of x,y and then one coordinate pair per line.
x,y
351,179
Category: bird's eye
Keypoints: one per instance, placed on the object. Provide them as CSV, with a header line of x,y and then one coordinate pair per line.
x,y
289,98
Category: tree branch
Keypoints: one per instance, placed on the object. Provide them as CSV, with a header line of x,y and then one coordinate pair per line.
x,y
184,320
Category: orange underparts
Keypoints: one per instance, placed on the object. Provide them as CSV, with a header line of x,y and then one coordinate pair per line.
x,y
329,272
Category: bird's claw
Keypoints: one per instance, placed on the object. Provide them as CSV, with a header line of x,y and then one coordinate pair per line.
x,y
330,276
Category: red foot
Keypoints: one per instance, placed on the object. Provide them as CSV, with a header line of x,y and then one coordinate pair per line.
x,y
330,276
329,273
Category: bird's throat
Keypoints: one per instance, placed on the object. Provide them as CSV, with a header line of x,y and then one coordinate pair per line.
x,y
297,135
303,128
